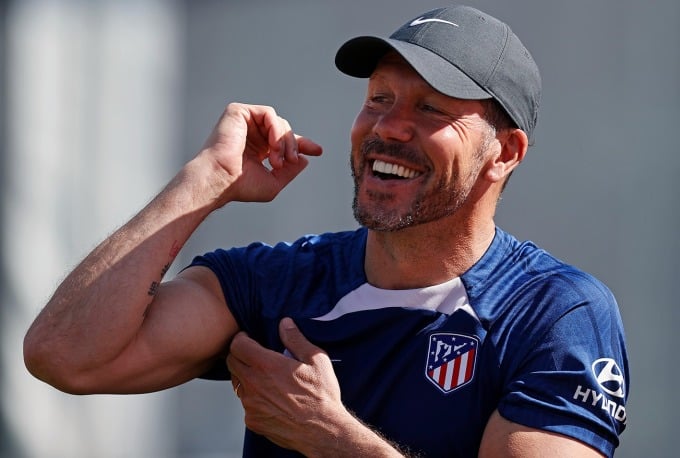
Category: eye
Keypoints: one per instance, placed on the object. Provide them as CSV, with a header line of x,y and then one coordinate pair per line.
x,y
426,107
378,98
378,101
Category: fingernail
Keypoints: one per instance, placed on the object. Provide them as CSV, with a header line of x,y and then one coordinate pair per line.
x,y
287,323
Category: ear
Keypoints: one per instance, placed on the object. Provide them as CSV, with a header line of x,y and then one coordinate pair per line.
x,y
514,144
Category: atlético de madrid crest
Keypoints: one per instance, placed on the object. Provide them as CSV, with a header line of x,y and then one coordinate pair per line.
x,y
451,360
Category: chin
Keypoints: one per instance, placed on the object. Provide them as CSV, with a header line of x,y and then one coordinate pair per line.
x,y
377,219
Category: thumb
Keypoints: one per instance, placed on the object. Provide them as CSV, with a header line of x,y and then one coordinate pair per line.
x,y
286,174
296,343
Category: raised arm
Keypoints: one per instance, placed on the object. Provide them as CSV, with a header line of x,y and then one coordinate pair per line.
x,y
112,326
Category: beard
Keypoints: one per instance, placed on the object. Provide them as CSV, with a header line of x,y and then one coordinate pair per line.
x,y
378,211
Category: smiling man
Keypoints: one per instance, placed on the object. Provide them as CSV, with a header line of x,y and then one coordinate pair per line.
x,y
427,331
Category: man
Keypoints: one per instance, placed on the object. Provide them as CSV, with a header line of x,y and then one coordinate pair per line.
x,y
428,331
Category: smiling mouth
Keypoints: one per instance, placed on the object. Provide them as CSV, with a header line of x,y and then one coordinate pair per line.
x,y
387,171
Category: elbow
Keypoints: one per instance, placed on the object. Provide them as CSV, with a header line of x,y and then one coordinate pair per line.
x,y
42,361
34,354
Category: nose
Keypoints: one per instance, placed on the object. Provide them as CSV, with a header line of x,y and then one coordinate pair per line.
x,y
396,124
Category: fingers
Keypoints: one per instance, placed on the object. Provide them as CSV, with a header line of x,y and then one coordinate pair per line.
x,y
243,141
244,349
308,147
236,385
286,174
255,370
245,354
282,142
298,345
234,363
284,145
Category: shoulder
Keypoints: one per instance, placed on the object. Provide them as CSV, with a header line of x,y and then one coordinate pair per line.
x,y
303,249
312,271
553,329
521,280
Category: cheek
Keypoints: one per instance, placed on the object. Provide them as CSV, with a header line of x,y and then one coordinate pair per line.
x,y
361,128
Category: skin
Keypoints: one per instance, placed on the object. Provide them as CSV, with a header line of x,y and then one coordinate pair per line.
x,y
112,326
442,244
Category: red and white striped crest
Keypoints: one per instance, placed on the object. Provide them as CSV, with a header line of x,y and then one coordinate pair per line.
x,y
451,360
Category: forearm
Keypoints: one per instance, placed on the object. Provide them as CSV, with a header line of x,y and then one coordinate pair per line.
x,y
105,325
98,309
351,437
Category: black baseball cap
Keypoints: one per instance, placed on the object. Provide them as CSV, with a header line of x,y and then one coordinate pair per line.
x,y
461,52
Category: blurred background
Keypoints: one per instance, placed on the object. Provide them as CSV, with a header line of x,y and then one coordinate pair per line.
x,y
102,101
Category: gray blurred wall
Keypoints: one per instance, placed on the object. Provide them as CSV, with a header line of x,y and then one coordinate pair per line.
x,y
598,189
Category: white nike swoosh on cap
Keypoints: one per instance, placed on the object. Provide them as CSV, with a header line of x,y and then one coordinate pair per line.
x,y
422,20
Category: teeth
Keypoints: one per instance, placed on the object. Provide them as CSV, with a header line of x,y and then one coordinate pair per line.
x,y
393,169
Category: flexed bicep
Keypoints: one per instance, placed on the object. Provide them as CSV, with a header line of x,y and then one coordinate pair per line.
x,y
186,329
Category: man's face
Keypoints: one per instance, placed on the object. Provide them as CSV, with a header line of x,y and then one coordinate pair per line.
x,y
416,153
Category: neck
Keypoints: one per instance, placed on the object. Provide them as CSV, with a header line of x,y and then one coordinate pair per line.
x,y
427,254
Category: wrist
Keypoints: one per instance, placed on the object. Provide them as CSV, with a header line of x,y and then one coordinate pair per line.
x,y
207,183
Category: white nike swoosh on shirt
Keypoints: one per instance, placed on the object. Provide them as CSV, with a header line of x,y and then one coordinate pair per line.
x,y
422,20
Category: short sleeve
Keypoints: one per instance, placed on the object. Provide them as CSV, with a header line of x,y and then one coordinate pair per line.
x,y
571,374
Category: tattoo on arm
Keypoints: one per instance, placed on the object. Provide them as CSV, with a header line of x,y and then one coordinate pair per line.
x,y
174,251
153,289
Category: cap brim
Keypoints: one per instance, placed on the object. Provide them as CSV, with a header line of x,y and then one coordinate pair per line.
x,y
359,57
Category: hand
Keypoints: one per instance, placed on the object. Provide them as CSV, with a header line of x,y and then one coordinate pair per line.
x,y
295,403
244,138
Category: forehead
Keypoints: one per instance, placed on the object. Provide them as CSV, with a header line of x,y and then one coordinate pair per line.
x,y
392,69
392,64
